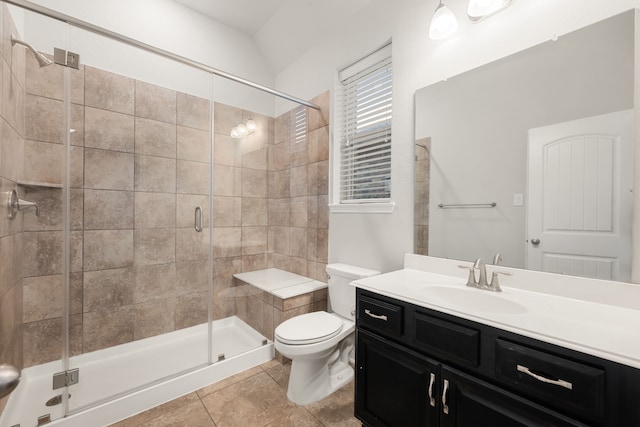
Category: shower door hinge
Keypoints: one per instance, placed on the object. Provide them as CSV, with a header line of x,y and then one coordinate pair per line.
x,y
68,59
66,378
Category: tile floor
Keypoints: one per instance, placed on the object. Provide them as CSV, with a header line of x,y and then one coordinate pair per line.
x,y
255,397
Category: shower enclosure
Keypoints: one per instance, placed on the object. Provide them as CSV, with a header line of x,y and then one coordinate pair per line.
x,y
146,207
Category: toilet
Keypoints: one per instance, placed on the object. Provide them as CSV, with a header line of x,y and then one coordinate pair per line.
x,y
319,343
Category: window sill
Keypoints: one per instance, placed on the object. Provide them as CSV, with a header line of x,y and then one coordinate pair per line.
x,y
385,208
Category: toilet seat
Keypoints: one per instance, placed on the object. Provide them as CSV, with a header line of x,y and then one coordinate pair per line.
x,y
309,328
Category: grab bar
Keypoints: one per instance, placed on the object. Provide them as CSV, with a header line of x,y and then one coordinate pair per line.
x,y
467,205
9,379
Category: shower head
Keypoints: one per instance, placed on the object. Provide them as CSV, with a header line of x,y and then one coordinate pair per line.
x,y
42,60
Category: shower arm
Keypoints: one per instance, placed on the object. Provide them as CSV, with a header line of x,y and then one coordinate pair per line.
x,y
42,60
16,40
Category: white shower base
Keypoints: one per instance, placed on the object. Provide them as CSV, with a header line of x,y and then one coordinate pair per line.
x,y
121,381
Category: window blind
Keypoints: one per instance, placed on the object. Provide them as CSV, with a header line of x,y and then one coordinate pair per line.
x,y
365,140
299,128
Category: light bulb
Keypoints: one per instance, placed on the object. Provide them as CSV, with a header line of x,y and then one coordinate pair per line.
x,y
242,129
235,133
443,23
251,125
479,9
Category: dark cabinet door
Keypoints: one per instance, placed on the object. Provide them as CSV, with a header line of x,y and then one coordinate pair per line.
x,y
394,386
469,402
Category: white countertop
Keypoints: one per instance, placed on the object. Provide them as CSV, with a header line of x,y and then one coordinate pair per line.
x,y
604,330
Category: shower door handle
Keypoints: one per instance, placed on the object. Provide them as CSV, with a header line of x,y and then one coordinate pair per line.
x,y
198,219
9,379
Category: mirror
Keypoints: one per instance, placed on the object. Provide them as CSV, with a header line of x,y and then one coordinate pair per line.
x,y
472,133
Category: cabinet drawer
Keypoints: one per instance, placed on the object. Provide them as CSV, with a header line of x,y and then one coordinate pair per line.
x,y
447,339
381,316
569,386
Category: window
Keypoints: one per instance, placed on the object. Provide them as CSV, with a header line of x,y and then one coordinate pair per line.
x,y
364,120
299,128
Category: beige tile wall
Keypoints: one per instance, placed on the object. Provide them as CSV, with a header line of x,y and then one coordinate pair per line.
x,y
139,167
291,177
298,213
264,311
12,287
239,206
421,206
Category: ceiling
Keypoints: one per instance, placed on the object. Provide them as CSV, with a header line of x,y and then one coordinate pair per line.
x,y
282,29
246,16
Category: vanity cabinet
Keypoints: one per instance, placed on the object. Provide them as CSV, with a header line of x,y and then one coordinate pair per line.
x,y
420,367
469,402
396,384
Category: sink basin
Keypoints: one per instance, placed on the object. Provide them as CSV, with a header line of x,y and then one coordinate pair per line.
x,y
470,300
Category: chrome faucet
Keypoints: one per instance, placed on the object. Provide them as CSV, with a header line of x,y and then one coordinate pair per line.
x,y
482,273
481,281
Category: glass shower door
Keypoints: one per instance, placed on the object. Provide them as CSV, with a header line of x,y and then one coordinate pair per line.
x,y
33,144
139,219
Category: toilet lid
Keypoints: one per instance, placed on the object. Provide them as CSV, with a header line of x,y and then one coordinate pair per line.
x,y
308,328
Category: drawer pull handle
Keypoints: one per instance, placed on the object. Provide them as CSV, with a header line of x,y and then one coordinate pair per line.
x,y
432,401
445,407
375,316
561,383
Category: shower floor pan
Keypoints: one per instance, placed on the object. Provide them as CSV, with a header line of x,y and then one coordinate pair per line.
x,y
121,381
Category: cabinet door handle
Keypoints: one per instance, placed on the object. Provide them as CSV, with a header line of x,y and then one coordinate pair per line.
x,y
561,383
445,407
375,316
432,401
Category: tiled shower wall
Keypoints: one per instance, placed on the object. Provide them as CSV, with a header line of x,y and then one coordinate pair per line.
x,y
12,81
421,197
298,193
139,167
270,204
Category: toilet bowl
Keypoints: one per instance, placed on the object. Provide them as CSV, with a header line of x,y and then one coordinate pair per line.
x,y
319,343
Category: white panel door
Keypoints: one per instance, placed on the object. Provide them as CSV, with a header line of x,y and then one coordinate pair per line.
x,y
580,197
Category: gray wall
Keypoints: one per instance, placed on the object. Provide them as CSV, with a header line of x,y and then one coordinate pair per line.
x,y
478,124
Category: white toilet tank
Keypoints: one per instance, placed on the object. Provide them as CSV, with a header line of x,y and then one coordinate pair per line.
x,y
342,296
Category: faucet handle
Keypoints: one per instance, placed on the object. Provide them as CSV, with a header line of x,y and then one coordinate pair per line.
x,y
497,259
471,280
495,285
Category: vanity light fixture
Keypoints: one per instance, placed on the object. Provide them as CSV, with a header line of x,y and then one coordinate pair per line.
x,y
443,23
244,128
479,9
